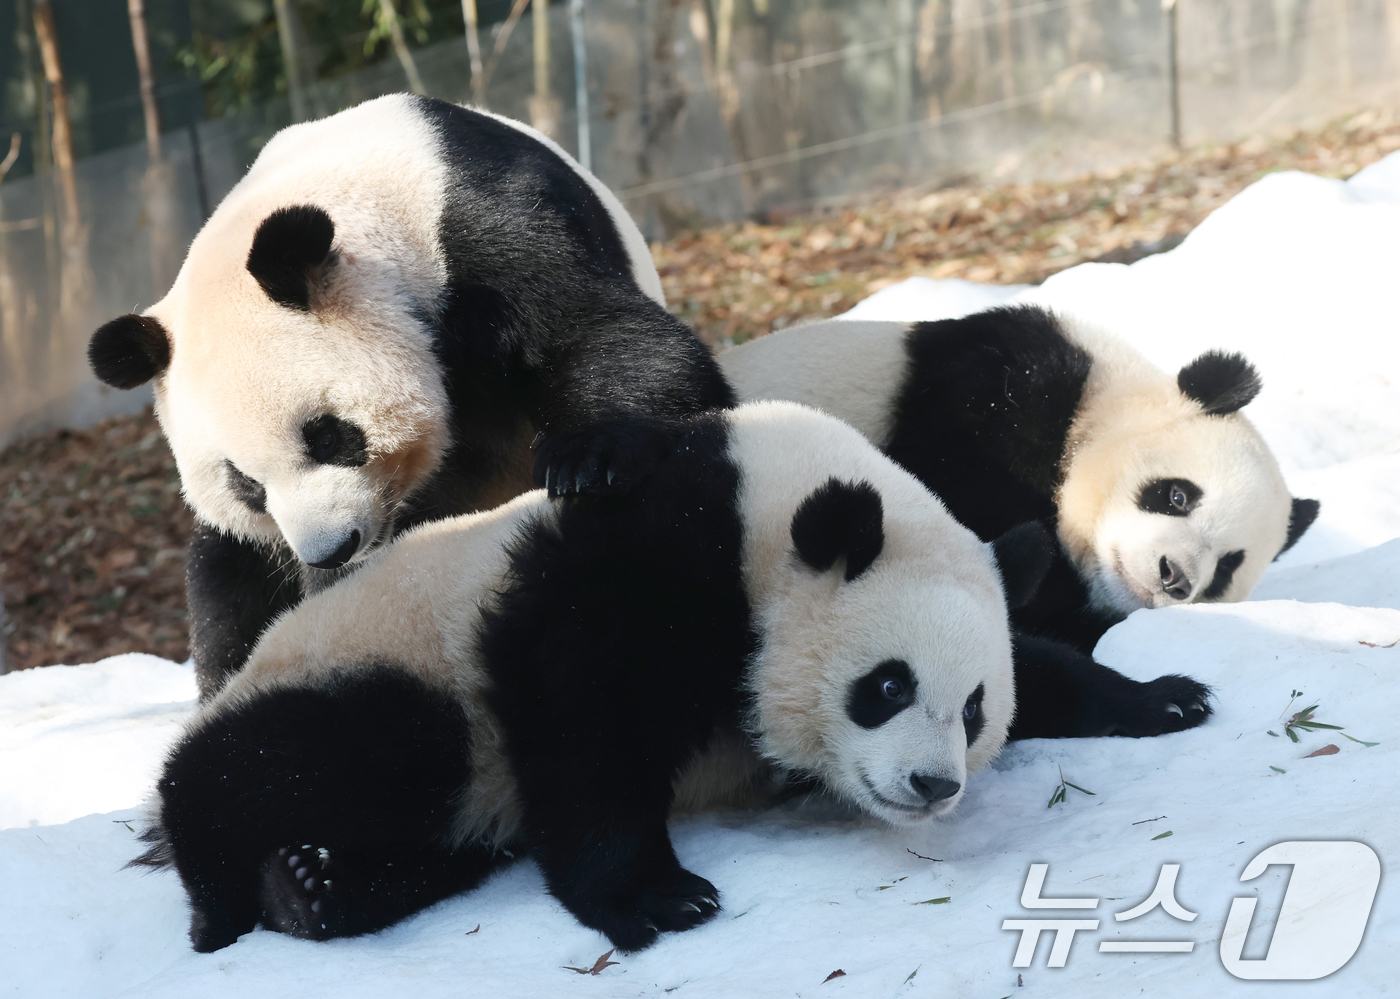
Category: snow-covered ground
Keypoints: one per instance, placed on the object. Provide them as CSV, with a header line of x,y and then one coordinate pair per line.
x,y
1298,272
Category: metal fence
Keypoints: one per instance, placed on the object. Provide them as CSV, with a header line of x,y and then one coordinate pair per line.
x,y
704,112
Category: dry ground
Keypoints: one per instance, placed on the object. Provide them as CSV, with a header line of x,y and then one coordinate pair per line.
x,y
92,528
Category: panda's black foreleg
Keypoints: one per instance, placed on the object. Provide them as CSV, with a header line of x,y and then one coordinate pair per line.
x,y
368,762
319,893
234,590
1063,693
621,877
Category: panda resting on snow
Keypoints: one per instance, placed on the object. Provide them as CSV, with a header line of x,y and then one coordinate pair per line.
x,y
374,329
557,676
1159,490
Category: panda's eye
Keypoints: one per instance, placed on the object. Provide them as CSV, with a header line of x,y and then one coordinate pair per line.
x,y
881,694
972,714
1172,497
332,441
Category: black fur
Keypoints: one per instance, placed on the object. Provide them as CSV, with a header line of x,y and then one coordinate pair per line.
x,y
1300,518
1170,497
332,441
556,364
881,694
366,765
617,654
1023,555
246,490
1063,693
233,590
129,351
290,251
1225,568
840,519
1222,383
973,719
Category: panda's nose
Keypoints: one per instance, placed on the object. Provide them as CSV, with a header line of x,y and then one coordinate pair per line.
x,y
1175,582
932,788
341,555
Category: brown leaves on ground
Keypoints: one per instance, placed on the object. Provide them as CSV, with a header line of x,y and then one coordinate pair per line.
x,y
93,530
92,545
1328,750
838,973
745,279
598,965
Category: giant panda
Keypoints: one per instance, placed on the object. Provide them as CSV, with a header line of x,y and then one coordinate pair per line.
x,y
1159,489
405,311
555,676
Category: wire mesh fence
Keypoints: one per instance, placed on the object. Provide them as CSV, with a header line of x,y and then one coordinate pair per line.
x,y
708,111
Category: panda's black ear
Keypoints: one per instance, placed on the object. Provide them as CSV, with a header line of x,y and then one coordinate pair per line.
x,y
1220,382
1300,518
840,518
1023,556
129,351
291,250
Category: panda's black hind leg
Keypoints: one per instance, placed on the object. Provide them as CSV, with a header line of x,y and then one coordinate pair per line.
x,y
1063,693
319,893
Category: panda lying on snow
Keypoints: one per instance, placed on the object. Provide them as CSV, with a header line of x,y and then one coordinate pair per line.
x,y
372,330
556,676
1160,491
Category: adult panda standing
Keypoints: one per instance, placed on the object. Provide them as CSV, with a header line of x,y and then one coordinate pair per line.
x,y
405,311
777,597
1158,488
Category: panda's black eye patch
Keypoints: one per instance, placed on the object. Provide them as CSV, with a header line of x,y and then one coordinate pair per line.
x,y
1224,572
881,694
247,491
331,441
1172,497
972,714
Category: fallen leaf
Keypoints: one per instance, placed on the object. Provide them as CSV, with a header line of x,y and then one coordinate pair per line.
x,y
477,930
934,901
1328,750
838,973
598,965
1163,835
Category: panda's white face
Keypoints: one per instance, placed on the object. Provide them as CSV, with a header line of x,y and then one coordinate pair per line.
x,y
885,663
1191,510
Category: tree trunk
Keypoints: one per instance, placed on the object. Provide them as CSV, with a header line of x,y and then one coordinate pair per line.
x,y
474,51
291,58
76,282
159,181
544,108
405,57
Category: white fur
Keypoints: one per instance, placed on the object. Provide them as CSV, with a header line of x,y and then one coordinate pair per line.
x,y
852,370
932,598
247,373
1134,426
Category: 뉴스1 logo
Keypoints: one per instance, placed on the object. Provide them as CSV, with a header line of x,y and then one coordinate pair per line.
x,y
1318,930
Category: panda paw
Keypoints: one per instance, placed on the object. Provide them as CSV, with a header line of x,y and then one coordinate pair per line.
x,y
603,459
682,902
298,893
1167,704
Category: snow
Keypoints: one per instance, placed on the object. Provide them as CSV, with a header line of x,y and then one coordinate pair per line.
x,y
1297,272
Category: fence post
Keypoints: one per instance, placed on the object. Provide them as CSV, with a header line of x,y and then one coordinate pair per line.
x,y
585,153
1173,70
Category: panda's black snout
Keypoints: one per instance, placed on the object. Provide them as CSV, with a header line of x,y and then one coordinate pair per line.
x,y
1175,582
932,788
342,554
